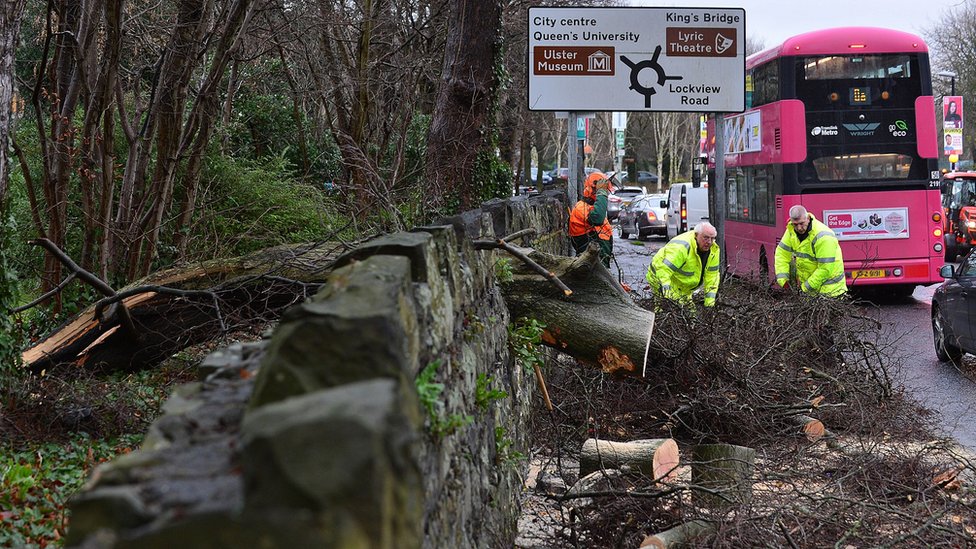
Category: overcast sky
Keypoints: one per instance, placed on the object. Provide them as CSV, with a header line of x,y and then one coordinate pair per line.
x,y
773,21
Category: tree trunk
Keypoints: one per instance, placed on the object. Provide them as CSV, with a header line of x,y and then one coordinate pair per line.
x,y
10,14
655,458
587,323
177,308
724,469
682,535
458,131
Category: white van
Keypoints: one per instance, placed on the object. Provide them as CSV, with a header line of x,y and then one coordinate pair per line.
x,y
687,206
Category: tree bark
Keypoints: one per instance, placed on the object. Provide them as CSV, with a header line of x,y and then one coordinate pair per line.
x,y
587,323
10,14
459,129
682,535
655,458
726,471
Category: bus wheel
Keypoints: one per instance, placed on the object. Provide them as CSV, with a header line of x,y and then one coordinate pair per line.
x,y
950,247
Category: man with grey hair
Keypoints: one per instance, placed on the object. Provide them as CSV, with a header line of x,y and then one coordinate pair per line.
x,y
809,256
688,261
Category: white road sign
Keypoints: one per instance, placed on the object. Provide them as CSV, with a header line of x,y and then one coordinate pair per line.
x,y
637,59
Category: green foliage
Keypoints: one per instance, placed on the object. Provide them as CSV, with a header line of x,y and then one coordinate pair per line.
x,y
429,392
36,482
524,339
503,270
505,454
492,177
484,393
10,343
256,204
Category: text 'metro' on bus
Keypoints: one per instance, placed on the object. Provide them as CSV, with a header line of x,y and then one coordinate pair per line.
x,y
841,121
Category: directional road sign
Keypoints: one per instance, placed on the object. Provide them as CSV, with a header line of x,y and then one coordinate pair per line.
x,y
637,59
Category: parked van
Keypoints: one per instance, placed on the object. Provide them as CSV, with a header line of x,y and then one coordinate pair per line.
x,y
687,206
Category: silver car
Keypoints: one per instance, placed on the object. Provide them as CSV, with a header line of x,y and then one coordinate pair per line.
x,y
643,217
620,199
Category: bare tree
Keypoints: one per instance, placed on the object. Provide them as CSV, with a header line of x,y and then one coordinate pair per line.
x,y
953,50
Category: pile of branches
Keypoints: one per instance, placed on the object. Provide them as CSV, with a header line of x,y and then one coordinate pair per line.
x,y
755,371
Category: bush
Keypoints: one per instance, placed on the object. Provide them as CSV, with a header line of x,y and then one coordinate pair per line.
x,y
248,205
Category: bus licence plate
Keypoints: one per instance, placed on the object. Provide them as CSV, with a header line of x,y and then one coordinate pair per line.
x,y
868,273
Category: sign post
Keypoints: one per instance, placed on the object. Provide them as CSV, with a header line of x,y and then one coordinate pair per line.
x,y
717,209
620,129
576,125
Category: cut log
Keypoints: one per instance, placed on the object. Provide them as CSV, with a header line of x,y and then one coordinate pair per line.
x,y
725,472
681,535
247,290
810,427
815,431
586,324
655,458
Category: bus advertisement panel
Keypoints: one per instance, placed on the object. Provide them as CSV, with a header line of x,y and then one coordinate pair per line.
x,y
841,121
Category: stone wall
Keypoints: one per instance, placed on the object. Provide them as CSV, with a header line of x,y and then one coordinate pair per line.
x,y
317,437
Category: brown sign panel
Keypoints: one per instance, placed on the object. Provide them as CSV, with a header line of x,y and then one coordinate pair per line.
x,y
701,42
573,61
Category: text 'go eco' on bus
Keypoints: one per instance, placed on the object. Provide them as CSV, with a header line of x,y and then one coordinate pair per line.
x,y
841,121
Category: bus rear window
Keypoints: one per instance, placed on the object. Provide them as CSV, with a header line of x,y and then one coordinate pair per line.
x,y
860,167
856,67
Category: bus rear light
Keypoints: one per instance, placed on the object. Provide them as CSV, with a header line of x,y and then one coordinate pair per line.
x,y
937,217
937,247
885,95
834,96
896,271
937,233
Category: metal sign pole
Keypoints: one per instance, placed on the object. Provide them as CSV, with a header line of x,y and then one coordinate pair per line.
x,y
573,194
717,210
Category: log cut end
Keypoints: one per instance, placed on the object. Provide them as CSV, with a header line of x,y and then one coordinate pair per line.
x,y
666,460
612,360
814,430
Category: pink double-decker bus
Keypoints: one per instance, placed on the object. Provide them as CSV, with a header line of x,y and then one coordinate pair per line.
x,y
841,121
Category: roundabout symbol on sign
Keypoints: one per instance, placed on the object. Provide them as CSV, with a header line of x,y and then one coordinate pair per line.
x,y
651,63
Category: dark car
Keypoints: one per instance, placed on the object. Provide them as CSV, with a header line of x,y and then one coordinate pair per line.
x,y
621,198
643,217
954,311
529,185
644,179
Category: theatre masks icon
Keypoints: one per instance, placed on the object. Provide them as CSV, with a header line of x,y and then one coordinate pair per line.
x,y
722,43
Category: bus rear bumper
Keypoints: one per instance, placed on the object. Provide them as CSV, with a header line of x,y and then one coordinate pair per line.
x,y
906,271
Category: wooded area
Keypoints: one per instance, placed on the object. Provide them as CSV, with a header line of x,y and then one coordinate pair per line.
x,y
127,115
163,140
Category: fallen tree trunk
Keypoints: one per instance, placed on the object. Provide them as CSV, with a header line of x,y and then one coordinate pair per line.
x,y
656,458
682,535
598,323
176,308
